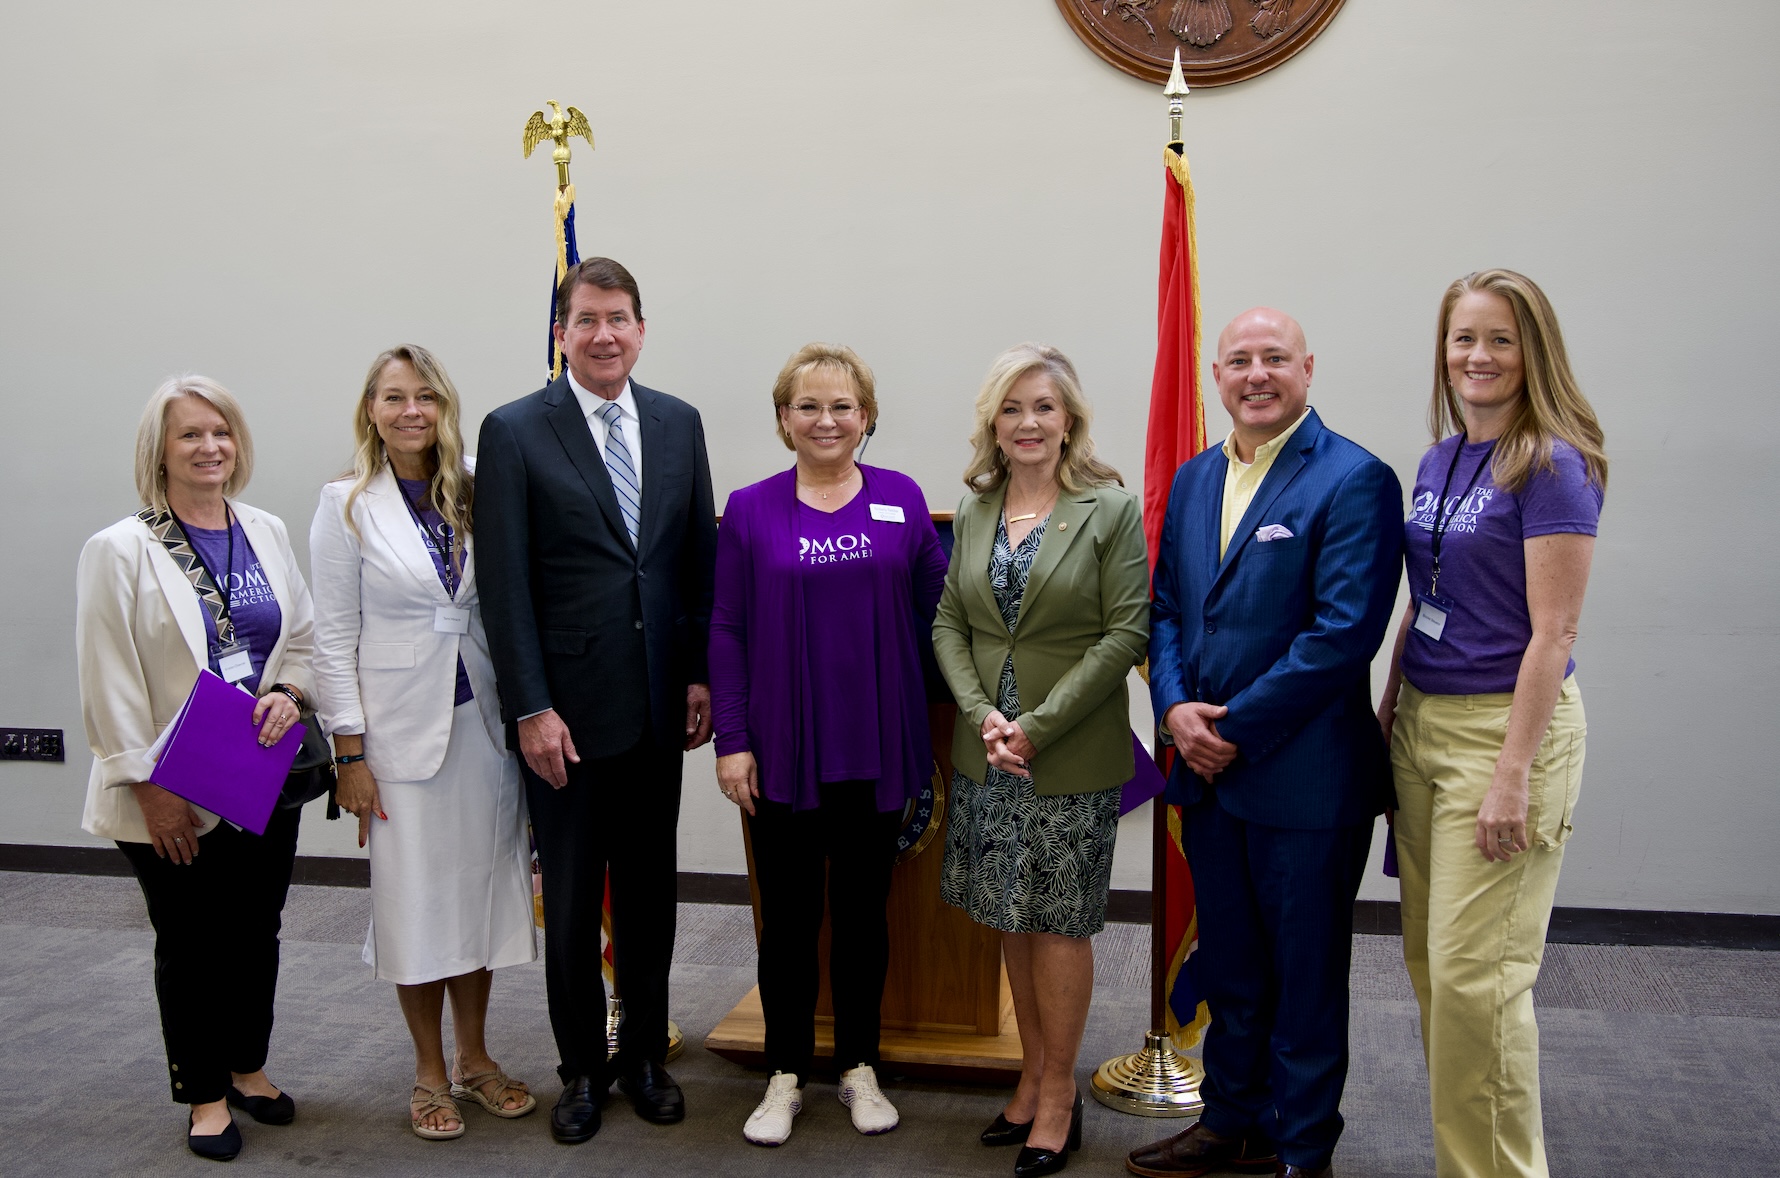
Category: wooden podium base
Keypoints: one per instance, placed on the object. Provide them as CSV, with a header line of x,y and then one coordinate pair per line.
x,y
926,1055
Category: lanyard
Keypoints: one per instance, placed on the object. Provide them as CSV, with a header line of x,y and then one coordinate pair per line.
x,y
1443,517
442,543
223,588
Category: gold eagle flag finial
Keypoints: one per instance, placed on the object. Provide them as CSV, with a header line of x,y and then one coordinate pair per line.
x,y
559,126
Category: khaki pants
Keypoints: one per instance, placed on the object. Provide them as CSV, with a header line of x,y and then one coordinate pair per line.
x,y
1473,930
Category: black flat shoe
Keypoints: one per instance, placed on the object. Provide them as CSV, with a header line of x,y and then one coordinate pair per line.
x,y
218,1147
267,1110
1002,1131
1075,1124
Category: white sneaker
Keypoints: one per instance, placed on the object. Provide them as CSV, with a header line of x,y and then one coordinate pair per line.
x,y
770,1122
872,1112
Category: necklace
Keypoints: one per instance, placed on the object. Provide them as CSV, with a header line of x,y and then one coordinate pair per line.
x,y
840,486
1015,519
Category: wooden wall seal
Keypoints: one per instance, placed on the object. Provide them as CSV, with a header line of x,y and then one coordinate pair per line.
x,y
1220,41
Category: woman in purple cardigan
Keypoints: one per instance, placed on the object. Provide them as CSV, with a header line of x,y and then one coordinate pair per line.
x,y
827,579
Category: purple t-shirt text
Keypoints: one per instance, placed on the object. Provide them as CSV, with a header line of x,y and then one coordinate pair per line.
x,y
252,607
1483,568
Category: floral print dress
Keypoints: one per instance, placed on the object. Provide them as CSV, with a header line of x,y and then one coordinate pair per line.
x,y
1017,861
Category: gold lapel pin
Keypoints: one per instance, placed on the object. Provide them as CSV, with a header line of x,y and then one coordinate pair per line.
x,y
1063,525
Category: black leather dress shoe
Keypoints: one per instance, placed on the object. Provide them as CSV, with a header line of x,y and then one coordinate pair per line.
x,y
267,1110
1197,1150
576,1117
1002,1131
218,1147
653,1093
1289,1171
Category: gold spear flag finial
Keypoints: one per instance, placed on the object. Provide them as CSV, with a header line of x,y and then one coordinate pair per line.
x,y
1175,92
559,127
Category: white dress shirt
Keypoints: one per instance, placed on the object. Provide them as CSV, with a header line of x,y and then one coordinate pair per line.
x,y
628,421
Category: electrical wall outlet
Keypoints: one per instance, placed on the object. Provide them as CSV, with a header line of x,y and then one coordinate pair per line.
x,y
31,744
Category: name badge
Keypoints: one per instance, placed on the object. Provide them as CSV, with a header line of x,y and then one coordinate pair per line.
x,y
235,662
449,619
888,512
1431,614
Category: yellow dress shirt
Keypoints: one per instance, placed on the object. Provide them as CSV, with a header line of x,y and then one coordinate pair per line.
x,y
1243,479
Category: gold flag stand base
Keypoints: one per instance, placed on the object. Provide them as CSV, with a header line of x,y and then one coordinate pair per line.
x,y
1155,1082
615,1015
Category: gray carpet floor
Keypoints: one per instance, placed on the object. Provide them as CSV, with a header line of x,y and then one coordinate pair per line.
x,y
1656,1061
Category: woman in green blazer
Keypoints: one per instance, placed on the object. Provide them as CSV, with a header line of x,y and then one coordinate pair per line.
x,y
1045,612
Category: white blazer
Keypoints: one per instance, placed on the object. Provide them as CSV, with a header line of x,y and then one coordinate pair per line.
x,y
139,638
381,669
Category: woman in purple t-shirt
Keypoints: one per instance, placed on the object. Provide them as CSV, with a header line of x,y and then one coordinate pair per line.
x,y
196,580
827,578
1482,710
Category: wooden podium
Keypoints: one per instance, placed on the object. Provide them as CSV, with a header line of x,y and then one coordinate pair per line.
x,y
947,1012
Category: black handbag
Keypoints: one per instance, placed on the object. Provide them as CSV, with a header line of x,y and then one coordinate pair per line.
x,y
312,773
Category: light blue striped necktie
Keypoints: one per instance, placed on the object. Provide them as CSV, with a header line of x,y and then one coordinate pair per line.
x,y
622,469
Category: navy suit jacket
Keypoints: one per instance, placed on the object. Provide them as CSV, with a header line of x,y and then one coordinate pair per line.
x,y
1283,632
579,619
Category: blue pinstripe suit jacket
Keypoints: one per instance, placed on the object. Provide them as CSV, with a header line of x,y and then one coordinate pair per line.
x,y
1283,632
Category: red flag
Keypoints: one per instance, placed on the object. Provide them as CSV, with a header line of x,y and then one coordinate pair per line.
x,y
1176,433
1177,406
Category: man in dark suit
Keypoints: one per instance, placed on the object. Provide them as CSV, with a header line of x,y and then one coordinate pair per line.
x,y
1274,583
595,547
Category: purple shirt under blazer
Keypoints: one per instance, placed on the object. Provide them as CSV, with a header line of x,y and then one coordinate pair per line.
x,y
761,694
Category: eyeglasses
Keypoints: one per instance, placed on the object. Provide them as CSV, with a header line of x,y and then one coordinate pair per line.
x,y
840,410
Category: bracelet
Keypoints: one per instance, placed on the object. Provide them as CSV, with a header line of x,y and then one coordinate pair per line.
x,y
349,759
289,693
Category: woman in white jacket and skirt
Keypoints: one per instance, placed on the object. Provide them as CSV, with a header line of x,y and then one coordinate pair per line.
x,y
405,687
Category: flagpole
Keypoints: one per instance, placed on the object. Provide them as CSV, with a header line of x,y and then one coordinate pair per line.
x,y
564,123
1157,1081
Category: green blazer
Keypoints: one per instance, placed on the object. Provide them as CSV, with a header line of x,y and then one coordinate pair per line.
x,y
1084,623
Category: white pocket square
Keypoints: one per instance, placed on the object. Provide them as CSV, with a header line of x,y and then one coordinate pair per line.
x,y
1272,532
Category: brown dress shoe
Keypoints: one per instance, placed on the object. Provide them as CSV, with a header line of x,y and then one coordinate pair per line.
x,y
1198,1150
1286,1171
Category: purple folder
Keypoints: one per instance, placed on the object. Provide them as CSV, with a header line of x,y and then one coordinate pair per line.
x,y
1145,784
212,755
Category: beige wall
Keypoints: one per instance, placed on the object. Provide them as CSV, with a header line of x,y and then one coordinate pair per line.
x,y
272,193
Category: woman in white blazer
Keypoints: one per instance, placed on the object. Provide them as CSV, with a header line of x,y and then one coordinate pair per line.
x,y
142,632
405,687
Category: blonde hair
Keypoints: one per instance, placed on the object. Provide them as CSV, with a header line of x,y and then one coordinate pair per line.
x,y
1551,404
151,436
452,489
836,358
1078,469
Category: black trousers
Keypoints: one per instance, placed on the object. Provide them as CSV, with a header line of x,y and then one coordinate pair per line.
x,y
856,845
216,923
618,813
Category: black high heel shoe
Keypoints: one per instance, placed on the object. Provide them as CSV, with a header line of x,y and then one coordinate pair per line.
x,y
1032,1163
218,1147
1002,1131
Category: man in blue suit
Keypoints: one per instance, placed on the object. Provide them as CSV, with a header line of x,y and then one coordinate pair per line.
x,y
1279,562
